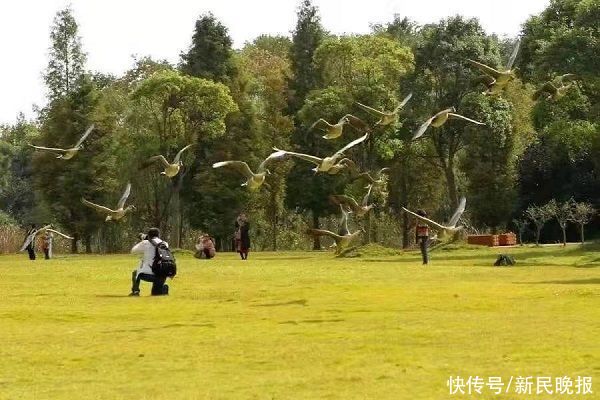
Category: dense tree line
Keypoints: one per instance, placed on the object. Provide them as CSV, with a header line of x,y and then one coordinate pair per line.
x,y
538,158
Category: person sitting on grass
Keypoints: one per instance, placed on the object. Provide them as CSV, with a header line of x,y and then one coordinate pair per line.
x,y
205,247
147,247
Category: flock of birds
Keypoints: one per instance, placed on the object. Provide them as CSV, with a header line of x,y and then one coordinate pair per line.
x,y
495,81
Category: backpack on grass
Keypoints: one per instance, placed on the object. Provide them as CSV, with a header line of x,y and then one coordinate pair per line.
x,y
164,262
504,260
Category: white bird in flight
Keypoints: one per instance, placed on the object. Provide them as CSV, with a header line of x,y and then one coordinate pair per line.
x,y
440,119
119,212
385,117
334,131
171,169
48,228
494,79
451,225
253,180
67,154
331,164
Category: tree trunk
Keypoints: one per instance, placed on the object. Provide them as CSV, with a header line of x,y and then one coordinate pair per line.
x,y
274,229
564,235
451,182
316,239
88,244
74,243
581,233
537,235
405,231
368,228
520,239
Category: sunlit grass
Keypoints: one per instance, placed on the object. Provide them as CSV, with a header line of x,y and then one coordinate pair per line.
x,y
297,325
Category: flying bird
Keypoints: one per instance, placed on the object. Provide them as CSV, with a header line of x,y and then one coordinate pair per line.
x,y
341,241
385,117
440,119
556,88
377,179
171,169
48,228
67,154
119,212
352,205
332,164
451,225
494,79
334,131
253,180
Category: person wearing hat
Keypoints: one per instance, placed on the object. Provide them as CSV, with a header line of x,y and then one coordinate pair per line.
x,y
147,248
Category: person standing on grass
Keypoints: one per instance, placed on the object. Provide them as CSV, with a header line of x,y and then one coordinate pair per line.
x,y
422,236
147,247
242,236
31,247
47,244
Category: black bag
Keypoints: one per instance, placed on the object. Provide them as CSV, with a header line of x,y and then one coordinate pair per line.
x,y
164,262
504,260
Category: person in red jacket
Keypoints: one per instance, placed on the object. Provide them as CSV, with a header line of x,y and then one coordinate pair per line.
x,y
422,236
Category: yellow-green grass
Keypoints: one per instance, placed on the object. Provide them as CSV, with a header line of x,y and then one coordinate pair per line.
x,y
297,325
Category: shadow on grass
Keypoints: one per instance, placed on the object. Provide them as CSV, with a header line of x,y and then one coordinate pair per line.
x,y
591,281
312,321
176,325
301,302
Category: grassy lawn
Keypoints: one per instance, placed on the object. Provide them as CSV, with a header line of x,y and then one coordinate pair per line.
x,y
298,325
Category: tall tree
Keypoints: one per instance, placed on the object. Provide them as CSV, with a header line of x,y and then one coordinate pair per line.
x,y
306,38
66,64
209,55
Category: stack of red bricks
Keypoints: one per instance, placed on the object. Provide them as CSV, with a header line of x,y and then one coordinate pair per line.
x,y
483,240
505,239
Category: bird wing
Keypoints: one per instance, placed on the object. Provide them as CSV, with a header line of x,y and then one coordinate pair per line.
x,y
457,214
97,206
124,197
401,105
32,236
343,200
427,220
85,135
366,176
59,233
352,144
178,156
273,156
321,124
458,116
547,87
323,232
513,55
357,123
487,70
567,78
422,128
370,110
365,201
239,166
305,157
53,149
344,220
153,159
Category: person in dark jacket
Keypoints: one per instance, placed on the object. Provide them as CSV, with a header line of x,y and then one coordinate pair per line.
x,y
422,237
242,236
31,247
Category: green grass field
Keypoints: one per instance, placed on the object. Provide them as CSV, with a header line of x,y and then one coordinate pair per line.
x,y
298,325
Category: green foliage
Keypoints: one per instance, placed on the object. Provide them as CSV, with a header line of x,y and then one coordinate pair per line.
x,y
209,55
66,63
